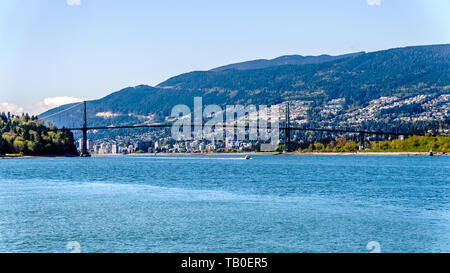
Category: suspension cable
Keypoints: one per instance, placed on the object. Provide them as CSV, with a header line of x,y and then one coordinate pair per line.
x,y
62,111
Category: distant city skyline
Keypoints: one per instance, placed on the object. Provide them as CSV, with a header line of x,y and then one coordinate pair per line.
x,y
54,52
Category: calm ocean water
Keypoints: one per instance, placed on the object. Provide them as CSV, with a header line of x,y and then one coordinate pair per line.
x,y
222,203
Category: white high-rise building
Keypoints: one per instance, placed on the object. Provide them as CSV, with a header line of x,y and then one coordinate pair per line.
x,y
114,149
89,145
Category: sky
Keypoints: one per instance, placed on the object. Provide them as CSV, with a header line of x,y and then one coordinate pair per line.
x,y
54,52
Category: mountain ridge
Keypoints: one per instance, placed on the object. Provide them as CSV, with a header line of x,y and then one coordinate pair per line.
x,y
356,80
284,60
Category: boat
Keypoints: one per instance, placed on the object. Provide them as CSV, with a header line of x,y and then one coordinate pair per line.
x,y
248,157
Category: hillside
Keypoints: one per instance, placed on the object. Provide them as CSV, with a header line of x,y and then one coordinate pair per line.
x,y
401,85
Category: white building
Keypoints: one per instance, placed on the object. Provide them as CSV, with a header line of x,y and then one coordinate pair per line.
x,y
114,149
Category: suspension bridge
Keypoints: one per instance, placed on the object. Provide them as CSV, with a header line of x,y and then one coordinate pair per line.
x,y
287,128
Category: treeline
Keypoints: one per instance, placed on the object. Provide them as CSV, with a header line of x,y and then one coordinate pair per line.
x,y
411,144
27,135
414,144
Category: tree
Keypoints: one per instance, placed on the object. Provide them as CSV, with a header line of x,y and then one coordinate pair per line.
x,y
29,136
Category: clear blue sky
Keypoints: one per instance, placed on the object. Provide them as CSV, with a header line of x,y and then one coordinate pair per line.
x,y
87,49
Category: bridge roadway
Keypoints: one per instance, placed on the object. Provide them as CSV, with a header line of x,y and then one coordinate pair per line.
x,y
287,128
167,125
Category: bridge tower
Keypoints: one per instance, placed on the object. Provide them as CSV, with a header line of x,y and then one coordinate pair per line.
x,y
287,134
362,138
84,149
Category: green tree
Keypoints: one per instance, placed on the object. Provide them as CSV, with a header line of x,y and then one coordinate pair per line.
x,y
29,136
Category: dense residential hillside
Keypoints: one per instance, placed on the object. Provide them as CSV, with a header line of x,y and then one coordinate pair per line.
x,y
29,136
394,87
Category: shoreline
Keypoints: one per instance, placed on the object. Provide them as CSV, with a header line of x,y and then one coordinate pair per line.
x,y
375,153
300,153
35,156
243,154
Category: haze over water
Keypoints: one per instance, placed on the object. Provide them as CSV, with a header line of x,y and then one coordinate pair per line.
x,y
221,203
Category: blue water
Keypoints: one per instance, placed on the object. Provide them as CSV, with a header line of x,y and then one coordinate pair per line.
x,y
222,203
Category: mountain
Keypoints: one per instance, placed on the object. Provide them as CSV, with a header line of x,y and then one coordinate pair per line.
x,y
402,84
284,60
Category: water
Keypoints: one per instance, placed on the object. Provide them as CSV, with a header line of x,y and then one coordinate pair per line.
x,y
225,204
